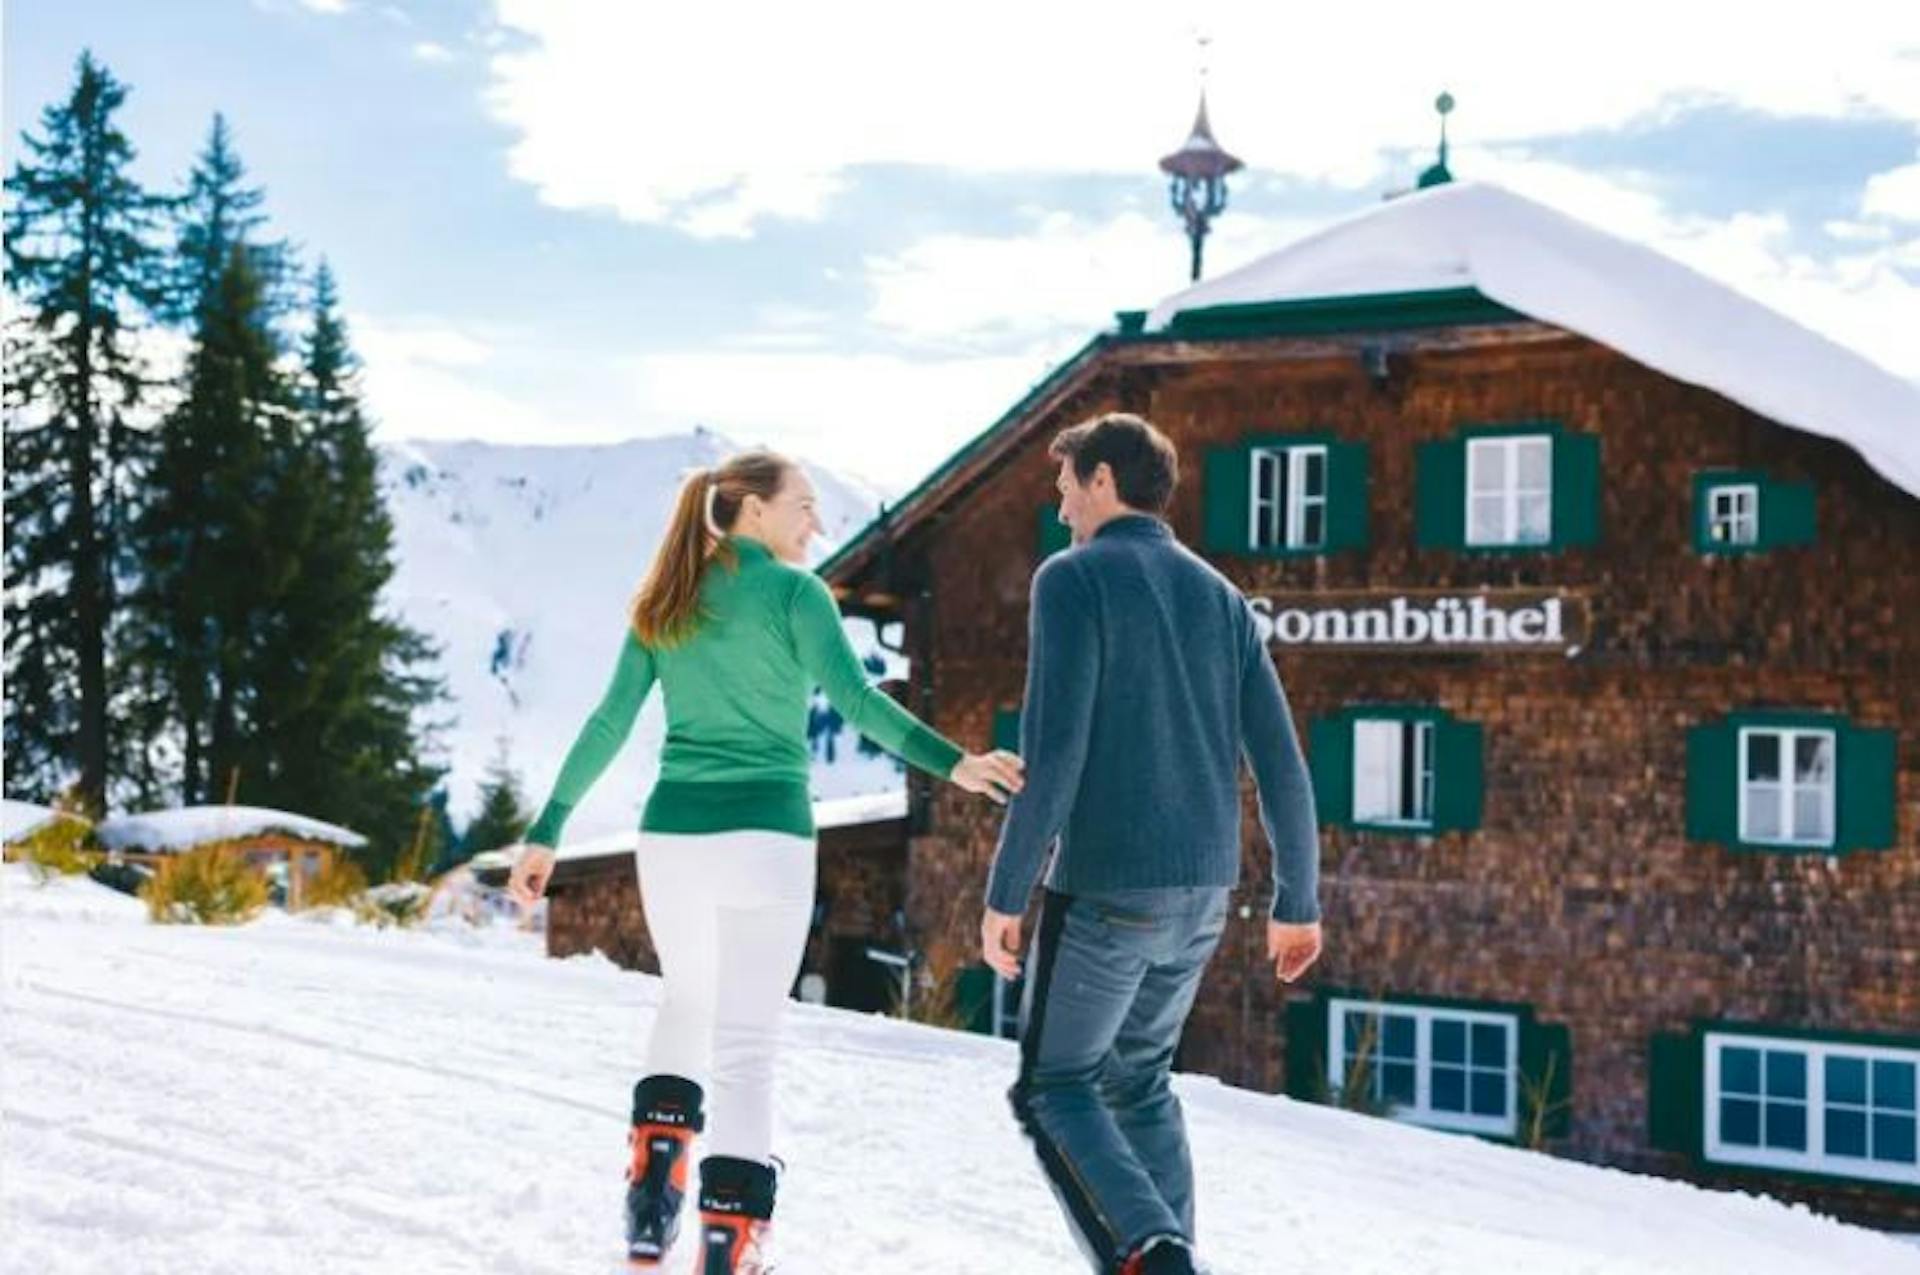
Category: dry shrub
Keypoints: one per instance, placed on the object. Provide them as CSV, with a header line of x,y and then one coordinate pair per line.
x,y
212,884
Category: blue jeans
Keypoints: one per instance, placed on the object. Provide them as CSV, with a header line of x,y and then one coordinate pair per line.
x,y
1111,981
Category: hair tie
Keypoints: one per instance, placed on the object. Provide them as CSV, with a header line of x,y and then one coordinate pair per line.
x,y
713,527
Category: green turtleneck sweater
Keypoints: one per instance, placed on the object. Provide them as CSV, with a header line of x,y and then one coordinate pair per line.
x,y
737,694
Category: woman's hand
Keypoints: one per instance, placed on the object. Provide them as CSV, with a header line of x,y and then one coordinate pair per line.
x,y
532,868
998,774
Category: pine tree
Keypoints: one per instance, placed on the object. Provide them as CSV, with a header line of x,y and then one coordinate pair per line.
x,y
83,275
503,817
215,214
208,532
339,684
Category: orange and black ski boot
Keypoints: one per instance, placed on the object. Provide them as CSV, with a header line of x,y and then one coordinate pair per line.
x,y
1159,1255
736,1216
666,1116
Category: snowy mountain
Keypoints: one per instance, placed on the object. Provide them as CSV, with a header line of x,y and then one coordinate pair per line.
x,y
521,561
291,1096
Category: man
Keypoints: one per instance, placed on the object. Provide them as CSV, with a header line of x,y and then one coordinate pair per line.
x,y
1146,681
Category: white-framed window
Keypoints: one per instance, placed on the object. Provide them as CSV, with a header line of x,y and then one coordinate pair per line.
x,y
1446,1068
1733,514
1813,1105
1786,786
1006,1007
1393,771
1510,490
1288,509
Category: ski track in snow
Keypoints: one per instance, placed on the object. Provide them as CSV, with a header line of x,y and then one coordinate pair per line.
x,y
292,1097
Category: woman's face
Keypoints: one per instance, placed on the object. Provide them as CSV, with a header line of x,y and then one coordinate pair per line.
x,y
787,522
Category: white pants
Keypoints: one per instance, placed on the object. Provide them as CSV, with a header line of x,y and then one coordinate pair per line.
x,y
729,913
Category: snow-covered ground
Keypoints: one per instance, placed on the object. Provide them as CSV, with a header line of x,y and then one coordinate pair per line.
x,y
301,1097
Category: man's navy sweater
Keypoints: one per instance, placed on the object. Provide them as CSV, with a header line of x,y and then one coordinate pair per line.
x,y
1146,682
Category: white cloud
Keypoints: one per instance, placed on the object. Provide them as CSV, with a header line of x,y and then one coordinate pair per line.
x,y
884,418
427,379
1068,273
709,118
326,6
429,51
1894,194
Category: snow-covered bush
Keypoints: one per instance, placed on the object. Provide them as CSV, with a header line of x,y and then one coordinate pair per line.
x,y
209,885
401,903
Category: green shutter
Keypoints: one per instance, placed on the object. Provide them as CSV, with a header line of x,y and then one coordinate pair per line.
x,y
1674,1080
1576,489
1713,796
1546,1065
1227,500
1459,774
1006,729
1786,514
1346,495
1330,741
1053,535
973,992
1306,1031
1866,796
1440,494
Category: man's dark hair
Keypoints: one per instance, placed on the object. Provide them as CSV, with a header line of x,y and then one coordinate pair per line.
x,y
1145,465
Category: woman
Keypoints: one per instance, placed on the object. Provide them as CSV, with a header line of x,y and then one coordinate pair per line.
x,y
737,632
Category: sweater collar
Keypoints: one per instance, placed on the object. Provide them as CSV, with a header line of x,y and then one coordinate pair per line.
x,y
1142,526
749,549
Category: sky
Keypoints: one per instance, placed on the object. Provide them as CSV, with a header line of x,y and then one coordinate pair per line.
x,y
860,232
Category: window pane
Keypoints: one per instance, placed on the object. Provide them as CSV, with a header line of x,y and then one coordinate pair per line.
x,y
1740,1070
1893,1084
1449,1089
1813,758
1313,526
1359,1033
1534,455
1893,1139
1847,1080
1489,1045
1396,1083
1536,525
1486,520
1449,1040
1763,756
1787,1126
1846,1132
1269,476
1763,812
1313,468
1740,1122
1376,770
1489,1093
1398,1041
1488,461
1786,1074
1809,815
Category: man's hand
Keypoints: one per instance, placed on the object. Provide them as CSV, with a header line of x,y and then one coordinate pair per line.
x,y
998,774
532,869
1292,948
1000,943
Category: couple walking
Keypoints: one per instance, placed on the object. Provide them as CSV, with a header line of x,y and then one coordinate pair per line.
x,y
1147,683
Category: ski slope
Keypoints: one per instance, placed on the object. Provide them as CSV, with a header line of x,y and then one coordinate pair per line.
x,y
297,1096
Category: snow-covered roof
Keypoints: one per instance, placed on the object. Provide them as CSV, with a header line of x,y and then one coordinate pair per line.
x,y
190,826
873,807
21,819
836,812
1554,268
